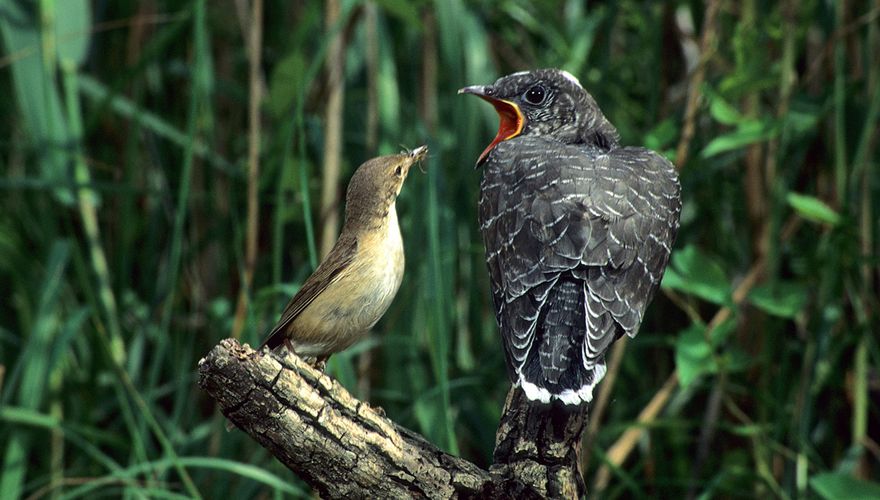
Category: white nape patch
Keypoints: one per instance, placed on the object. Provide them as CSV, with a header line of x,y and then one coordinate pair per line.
x,y
568,76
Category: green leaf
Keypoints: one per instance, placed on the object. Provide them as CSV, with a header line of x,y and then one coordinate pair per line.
x,y
17,415
661,135
693,355
735,359
697,273
285,83
402,9
34,366
749,430
37,95
99,92
73,27
842,486
803,119
248,471
719,334
783,299
722,111
812,208
748,132
694,349
342,369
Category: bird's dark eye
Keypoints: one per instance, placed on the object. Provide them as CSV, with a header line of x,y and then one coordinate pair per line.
x,y
536,94
398,170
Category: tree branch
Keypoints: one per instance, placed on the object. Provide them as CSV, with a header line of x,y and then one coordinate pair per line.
x,y
537,449
342,447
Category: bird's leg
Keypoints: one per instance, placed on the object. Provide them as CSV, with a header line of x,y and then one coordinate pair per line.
x,y
288,351
289,345
378,409
321,363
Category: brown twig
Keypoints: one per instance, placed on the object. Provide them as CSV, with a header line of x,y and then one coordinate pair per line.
x,y
624,445
245,20
707,431
428,108
332,129
255,41
696,81
864,151
621,449
371,33
754,183
819,62
871,446
601,403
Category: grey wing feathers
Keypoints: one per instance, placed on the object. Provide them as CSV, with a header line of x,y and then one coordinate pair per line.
x,y
330,270
637,195
550,211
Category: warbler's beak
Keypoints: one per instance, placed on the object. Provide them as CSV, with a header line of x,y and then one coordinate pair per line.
x,y
409,158
512,120
419,153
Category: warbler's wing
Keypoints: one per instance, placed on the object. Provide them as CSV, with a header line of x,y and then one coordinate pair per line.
x,y
328,272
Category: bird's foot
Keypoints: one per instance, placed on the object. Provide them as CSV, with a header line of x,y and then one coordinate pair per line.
x,y
320,364
378,410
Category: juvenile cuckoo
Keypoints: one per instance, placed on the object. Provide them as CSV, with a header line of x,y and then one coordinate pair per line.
x,y
577,228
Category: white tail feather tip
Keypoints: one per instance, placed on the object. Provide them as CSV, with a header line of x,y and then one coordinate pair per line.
x,y
567,396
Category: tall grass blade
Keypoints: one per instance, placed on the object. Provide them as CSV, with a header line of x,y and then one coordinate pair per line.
x,y
34,367
36,94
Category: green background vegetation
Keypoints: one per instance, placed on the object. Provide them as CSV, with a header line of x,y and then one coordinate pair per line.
x,y
124,230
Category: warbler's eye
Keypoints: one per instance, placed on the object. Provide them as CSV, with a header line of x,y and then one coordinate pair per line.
x,y
536,95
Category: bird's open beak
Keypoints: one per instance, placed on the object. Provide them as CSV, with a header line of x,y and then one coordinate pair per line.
x,y
511,123
419,153
409,158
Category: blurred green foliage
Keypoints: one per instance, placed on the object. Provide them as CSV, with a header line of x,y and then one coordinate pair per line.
x,y
123,222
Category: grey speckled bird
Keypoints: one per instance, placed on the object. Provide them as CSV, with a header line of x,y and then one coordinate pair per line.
x,y
578,231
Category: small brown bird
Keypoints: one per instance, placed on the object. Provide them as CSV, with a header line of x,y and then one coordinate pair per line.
x,y
356,282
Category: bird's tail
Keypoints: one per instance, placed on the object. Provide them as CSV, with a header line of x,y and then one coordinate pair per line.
x,y
555,367
274,340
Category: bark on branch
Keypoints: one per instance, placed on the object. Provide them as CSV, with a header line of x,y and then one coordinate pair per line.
x,y
342,447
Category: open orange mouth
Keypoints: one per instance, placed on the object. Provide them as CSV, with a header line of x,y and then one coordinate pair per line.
x,y
511,117
509,126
